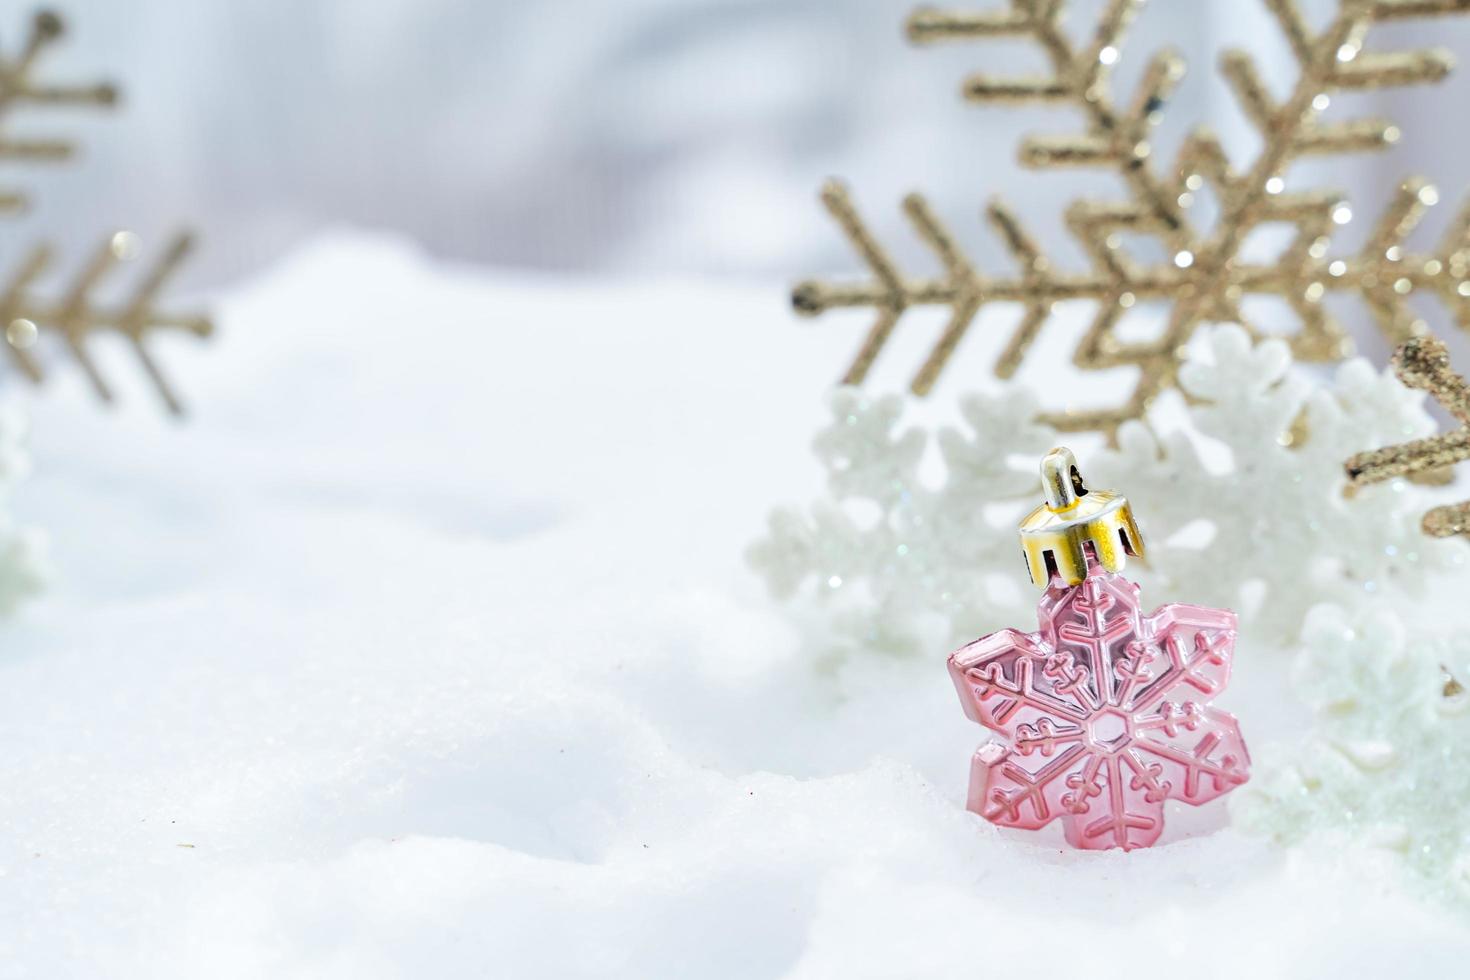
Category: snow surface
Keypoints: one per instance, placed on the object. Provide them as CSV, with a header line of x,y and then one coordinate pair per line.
x,y
426,649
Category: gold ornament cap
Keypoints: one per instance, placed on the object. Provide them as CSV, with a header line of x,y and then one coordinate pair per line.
x,y
1055,536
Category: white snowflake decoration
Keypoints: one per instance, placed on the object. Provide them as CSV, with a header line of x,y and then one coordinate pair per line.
x,y
1281,535
1386,767
887,562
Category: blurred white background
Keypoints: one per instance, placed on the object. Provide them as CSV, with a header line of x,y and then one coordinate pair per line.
x,y
643,136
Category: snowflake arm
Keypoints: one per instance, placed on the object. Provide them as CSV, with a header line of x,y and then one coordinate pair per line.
x,y
1189,646
1004,683
1204,277
1204,757
1424,363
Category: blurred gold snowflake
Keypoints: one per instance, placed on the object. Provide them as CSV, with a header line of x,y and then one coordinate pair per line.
x,y
75,314
1204,277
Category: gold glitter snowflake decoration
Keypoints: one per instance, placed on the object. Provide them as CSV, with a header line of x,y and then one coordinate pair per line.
x,y
1424,363
1205,277
75,314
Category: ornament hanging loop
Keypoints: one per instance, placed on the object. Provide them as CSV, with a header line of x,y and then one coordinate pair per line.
x,y
1076,525
1061,481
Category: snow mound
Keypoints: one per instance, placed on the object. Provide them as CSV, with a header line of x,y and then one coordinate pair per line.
x,y
427,649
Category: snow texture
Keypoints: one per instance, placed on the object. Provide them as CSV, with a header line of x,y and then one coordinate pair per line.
x,y
426,648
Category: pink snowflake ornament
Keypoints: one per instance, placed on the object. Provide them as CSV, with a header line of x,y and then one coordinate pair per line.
x,y
1104,711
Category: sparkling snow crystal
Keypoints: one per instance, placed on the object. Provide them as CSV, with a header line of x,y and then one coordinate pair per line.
x,y
1386,768
889,562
